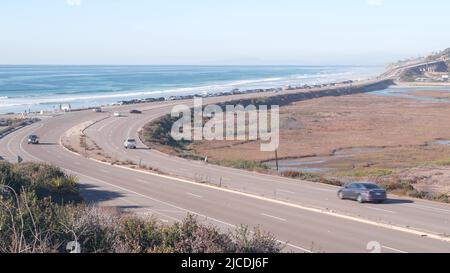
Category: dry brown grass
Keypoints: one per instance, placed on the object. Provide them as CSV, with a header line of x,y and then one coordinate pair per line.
x,y
321,126
403,130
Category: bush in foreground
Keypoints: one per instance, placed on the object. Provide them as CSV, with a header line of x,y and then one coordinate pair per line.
x,y
41,211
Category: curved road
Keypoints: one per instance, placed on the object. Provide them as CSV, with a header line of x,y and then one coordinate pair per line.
x,y
305,215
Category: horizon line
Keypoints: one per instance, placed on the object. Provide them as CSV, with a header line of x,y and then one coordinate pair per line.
x,y
306,65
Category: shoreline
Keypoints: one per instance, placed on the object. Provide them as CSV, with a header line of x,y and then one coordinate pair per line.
x,y
85,93
287,90
162,89
172,96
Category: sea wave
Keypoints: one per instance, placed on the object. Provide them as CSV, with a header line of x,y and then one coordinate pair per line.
x,y
91,98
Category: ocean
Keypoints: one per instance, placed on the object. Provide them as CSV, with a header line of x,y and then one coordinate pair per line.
x,y
36,88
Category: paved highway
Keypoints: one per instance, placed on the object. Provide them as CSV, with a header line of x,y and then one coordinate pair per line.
x,y
306,215
421,215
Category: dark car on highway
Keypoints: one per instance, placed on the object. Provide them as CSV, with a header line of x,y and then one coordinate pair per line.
x,y
135,112
363,192
33,139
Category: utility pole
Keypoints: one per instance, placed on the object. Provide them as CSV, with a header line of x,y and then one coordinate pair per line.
x,y
276,158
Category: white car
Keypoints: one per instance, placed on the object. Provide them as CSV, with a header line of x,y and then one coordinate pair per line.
x,y
117,114
130,143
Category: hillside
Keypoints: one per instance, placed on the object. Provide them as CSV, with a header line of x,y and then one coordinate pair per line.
x,y
436,72
444,55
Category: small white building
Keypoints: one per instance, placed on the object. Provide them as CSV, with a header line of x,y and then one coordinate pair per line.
x,y
66,108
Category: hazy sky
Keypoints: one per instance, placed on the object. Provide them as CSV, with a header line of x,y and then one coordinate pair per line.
x,y
220,31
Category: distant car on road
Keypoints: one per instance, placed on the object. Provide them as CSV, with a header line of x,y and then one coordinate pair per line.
x,y
117,114
135,112
97,110
33,139
130,143
363,192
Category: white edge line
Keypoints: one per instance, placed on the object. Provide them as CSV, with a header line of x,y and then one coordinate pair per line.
x,y
154,212
382,210
285,191
273,217
394,249
194,195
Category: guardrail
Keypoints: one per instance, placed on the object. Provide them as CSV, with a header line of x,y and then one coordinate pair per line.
x,y
14,129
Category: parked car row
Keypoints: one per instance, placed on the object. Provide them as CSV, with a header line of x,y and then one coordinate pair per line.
x,y
116,114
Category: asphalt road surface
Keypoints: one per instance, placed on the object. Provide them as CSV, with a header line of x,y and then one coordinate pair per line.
x,y
307,216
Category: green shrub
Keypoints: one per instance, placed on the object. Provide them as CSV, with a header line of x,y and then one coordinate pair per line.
x,y
256,241
369,173
398,186
140,236
311,177
159,132
443,163
243,164
43,180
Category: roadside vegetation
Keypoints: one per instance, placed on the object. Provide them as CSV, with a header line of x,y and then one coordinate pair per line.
x,y
444,53
157,135
243,164
399,186
11,124
443,162
387,179
312,177
159,132
371,172
41,211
